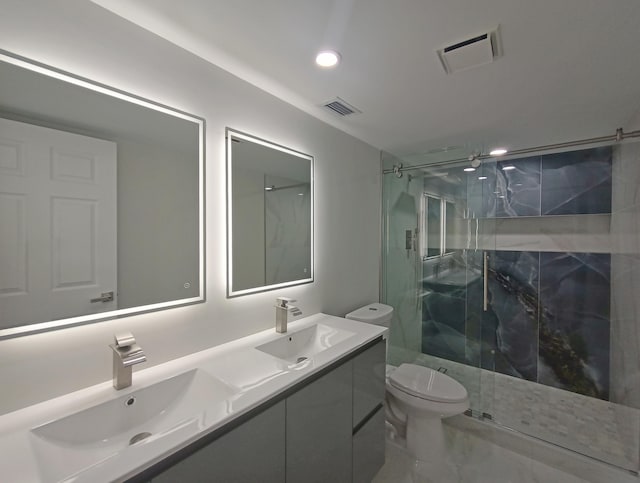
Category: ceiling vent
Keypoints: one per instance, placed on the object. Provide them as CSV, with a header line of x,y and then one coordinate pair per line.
x,y
340,107
477,50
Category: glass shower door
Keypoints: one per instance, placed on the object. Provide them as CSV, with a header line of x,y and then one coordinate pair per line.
x,y
566,235
402,268
434,244
520,279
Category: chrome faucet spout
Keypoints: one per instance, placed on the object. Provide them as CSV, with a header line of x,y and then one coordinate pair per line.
x,y
126,354
282,313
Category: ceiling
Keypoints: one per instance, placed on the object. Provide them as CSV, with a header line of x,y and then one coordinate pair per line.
x,y
569,68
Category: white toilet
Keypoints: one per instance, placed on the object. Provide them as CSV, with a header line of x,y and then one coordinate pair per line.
x,y
417,398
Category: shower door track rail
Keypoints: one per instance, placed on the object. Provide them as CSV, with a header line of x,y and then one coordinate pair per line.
x,y
620,135
487,419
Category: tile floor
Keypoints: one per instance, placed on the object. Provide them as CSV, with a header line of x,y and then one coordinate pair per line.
x,y
600,429
475,458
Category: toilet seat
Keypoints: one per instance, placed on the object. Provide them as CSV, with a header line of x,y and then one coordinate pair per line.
x,y
425,383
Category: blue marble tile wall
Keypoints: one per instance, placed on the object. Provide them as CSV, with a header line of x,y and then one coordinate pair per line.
x,y
575,300
571,183
548,319
549,313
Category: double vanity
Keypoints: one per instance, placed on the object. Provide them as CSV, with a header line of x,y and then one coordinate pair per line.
x,y
295,406
303,403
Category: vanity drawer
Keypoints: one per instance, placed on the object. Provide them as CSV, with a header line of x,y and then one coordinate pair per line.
x,y
368,381
368,448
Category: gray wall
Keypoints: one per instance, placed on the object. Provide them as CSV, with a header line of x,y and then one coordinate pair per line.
x,y
157,209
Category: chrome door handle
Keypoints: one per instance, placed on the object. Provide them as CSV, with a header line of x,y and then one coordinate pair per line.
x,y
104,297
485,276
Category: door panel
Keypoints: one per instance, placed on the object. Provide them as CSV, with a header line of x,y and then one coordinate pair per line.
x,y
58,213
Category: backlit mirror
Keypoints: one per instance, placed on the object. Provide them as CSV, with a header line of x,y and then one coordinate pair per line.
x,y
101,201
270,215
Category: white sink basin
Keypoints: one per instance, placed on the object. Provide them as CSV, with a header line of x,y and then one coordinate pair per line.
x,y
299,346
183,404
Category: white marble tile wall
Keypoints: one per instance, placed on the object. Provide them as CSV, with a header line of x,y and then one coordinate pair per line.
x,y
287,230
625,276
561,233
402,267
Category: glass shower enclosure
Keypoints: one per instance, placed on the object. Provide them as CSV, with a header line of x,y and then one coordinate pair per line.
x,y
518,277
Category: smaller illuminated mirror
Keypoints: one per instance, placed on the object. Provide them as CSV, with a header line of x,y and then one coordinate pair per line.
x,y
270,215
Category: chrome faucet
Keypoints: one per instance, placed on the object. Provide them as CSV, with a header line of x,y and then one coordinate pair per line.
x,y
126,353
282,312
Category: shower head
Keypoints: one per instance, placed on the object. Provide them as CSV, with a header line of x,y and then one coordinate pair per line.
x,y
474,158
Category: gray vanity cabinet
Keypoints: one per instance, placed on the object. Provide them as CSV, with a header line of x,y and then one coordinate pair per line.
x,y
368,448
369,370
327,430
252,452
319,429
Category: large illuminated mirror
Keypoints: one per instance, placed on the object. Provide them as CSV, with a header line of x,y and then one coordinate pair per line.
x,y
101,201
270,215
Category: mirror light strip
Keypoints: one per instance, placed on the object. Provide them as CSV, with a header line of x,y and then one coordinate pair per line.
x,y
52,72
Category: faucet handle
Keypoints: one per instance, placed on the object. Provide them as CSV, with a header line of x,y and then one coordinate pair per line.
x,y
283,301
124,339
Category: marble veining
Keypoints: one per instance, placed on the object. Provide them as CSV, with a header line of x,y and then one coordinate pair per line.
x,y
548,319
575,292
577,182
568,183
287,230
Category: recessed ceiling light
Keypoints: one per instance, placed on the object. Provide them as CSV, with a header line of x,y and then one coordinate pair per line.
x,y
498,152
327,58
508,168
482,177
468,170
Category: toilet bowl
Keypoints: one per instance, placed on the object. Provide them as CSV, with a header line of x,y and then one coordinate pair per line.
x,y
423,397
417,397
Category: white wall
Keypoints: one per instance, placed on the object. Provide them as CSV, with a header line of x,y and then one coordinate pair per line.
x,y
634,123
84,39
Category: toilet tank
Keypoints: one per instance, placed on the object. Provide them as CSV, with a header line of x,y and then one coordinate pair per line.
x,y
377,314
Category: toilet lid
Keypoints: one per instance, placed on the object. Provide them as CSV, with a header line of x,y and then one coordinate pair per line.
x,y
425,383
370,313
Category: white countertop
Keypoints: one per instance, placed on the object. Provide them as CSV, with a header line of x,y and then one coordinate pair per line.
x,y
257,377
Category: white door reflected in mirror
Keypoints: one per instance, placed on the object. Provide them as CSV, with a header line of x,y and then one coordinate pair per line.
x,y
72,253
58,218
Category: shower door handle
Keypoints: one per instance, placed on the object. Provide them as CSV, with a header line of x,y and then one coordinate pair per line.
x,y
485,282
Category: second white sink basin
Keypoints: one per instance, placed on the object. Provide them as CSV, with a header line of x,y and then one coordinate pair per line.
x,y
296,347
184,403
